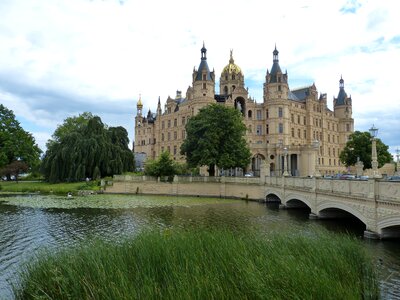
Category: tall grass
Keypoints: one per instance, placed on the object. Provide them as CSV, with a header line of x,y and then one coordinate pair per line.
x,y
205,264
47,188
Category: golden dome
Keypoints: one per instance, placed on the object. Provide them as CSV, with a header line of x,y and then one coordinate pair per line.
x,y
232,67
139,104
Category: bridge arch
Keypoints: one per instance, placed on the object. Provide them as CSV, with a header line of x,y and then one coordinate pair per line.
x,y
296,200
273,196
331,206
389,227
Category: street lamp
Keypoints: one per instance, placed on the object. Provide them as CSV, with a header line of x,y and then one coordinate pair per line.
x,y
374,163
279,146
316,147
285,162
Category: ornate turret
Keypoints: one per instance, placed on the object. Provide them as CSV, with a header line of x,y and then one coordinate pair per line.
x,y
203,73
203,79
276,74
231,77
342,106
276,83
231,68
139,106
342,98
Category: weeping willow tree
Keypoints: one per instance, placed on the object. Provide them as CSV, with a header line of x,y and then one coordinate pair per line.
x,y
89,150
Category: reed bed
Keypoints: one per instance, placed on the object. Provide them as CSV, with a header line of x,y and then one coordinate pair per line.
x,y
47,188
205,264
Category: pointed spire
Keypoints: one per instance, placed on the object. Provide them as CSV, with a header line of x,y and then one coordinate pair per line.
x,y
231,61
203,67
203,52
342,96
139,104
275,55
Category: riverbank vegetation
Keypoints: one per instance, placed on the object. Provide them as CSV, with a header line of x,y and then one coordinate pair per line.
x,y
205,264
84,147
48,188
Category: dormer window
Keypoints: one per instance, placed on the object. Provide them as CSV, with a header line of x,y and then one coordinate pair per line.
x,y
204,76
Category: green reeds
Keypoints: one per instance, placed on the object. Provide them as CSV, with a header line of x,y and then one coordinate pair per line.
x,y
206,264
48,188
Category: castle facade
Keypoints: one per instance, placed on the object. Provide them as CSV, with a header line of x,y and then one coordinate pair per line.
x,y
293,132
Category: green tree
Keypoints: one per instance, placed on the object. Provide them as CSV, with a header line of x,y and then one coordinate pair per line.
x,y
215,137
16,144
69,125
359,146
163,166
87,150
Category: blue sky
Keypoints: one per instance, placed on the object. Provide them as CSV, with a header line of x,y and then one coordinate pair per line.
x,y
61,58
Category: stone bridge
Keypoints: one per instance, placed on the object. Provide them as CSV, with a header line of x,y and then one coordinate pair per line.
x,y
376,203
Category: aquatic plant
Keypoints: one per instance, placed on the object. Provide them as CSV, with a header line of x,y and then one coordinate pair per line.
x,y
205,264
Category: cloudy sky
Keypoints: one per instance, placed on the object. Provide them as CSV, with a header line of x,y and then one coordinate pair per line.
x,y
59,58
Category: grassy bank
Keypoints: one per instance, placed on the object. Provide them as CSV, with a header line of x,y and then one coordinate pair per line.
x,y
200,264
47,188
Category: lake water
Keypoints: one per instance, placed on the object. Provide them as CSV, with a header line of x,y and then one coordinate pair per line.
x,y
31,223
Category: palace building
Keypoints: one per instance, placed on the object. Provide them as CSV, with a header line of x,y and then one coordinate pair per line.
x,y
293,132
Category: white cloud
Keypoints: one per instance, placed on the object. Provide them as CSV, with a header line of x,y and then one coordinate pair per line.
x,y
60,58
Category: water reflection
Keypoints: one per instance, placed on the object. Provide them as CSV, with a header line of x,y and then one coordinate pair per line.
x,y
26,227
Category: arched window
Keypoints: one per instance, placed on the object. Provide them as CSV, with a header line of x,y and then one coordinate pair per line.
x,y
225,90
233,76
250,114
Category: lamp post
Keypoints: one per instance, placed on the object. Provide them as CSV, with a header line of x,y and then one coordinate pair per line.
x,y
316,147
285,162
374,163
398,162
279,146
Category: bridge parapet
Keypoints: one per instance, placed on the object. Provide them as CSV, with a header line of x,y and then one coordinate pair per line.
x,y
388,191
274,181
299,183
355,188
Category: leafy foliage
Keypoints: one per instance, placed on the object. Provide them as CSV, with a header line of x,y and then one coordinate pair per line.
x,y
215,138
14,169
16,144
163,166
360,146
70,124
86,150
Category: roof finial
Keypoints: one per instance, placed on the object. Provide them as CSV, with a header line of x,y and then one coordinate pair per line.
x,y
275,54
231,61
203,52
139,104
341,82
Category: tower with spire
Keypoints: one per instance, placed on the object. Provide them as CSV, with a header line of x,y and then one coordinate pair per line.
x,y
203,80
343,108
276,83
